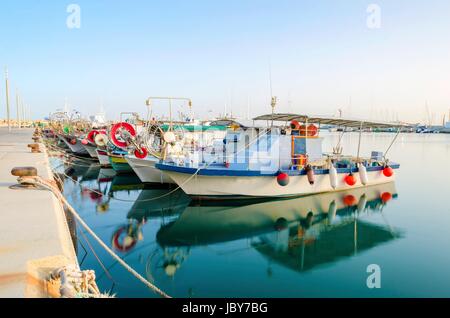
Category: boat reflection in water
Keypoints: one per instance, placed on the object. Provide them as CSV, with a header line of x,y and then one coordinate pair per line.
x,y
298,233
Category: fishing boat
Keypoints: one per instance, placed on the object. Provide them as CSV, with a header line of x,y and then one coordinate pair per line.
x,y
187,138
283,161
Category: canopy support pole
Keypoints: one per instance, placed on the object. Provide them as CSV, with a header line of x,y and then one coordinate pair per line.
x,y
359,141
392,142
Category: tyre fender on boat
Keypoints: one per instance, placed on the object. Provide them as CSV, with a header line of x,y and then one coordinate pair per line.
x,y
310,174
333,177
363,174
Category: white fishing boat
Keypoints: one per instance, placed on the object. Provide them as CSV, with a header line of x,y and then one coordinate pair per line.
x,y
146,170
283,161
102,155
73,143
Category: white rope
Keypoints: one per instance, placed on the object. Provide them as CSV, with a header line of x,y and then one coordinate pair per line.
x,y
43,183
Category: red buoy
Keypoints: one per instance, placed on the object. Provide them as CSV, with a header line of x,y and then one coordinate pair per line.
x,y
349,200
388,171
141,153
350,180
386,196
283,179
73,141
84,141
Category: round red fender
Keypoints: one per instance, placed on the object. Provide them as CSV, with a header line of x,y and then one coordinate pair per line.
x,y
388,171
73,141
312,130
91,136
386,196
115,130
119,245
141,153
283,179
350,180
84,141
349,200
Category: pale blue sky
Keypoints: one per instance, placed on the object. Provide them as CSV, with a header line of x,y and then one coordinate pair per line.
x,y
217,52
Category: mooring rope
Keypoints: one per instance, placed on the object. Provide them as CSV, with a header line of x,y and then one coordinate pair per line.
x,y
58,194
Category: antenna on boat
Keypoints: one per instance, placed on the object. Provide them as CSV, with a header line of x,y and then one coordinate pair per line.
x,y
273,101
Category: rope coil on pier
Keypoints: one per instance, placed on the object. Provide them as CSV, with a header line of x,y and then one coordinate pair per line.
x,y
36,180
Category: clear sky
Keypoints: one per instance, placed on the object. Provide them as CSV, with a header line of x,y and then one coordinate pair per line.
x,y
323,56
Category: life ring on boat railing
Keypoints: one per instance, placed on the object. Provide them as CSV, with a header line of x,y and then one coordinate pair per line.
x,y
101,140
388,171
283,179
310,174
350,179
141,153
126,244
333,177
117,132
363,174
91,136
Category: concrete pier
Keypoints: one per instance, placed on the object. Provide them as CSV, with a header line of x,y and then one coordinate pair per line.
x,y
34,235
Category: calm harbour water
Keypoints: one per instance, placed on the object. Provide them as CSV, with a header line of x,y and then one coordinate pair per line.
x,y
316,246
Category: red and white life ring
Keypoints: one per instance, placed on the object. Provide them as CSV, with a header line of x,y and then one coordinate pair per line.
x,y
116,132
91,136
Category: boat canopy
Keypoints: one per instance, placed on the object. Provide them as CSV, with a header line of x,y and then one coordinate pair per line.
x,y
337,121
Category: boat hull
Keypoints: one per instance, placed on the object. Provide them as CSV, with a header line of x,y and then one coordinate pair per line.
x,y
146,170
91,150
119,164
76,148
103,158
223,186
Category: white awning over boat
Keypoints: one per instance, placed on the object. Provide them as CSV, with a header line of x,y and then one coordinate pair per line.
x,y
336,121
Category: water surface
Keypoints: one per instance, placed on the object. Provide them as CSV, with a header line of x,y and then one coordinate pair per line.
x,y
316,246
